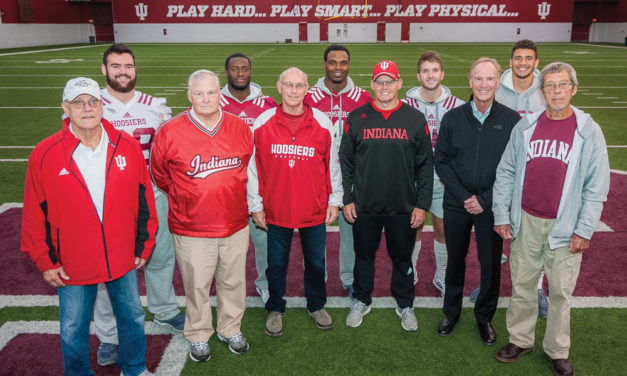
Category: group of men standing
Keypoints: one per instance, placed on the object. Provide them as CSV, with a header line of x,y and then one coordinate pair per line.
x,y
236,164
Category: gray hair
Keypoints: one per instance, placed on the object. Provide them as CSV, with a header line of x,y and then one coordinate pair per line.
x,y
292,69
201,73
484,59
556,68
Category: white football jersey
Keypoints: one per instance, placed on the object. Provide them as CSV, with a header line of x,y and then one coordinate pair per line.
x,y
140,117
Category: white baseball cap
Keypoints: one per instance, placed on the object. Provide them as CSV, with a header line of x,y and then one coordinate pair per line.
x,y
81,85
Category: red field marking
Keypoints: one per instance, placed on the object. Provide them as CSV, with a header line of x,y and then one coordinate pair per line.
x,y
40,354
607,254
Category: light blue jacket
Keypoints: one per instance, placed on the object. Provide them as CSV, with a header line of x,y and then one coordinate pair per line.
x,y
586,184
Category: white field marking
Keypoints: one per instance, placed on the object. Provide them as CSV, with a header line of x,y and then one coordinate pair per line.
x,y
177,89
165,93
593,107
592,93
16,147
57,61
602,227
30,108
332,302
13,160
599,45
617,146
607,97
262,53
619,172
579,52
48,50
619,102
171,363
10,205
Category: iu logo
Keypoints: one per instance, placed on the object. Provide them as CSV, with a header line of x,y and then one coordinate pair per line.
x,y
543,10
141,10
291,163
120,161
384,65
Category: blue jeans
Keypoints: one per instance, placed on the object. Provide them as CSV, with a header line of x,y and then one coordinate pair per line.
x,y
313,240
76,306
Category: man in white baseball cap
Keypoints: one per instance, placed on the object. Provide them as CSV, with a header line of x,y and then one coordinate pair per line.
x,y
64,202
80,85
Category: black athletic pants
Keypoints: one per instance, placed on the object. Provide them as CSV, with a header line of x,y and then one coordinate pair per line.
x,y
457,229
399,239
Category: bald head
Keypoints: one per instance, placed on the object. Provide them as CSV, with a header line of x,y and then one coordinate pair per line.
x,y
292,86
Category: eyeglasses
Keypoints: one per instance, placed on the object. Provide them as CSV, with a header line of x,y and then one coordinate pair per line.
x,y
290,86
79,103
562,85
383,83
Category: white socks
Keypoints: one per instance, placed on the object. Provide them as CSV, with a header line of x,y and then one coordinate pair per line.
x,y
441,258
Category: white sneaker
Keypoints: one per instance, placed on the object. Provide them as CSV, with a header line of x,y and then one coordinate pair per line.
x,y
200,352
263,294
356,314
408,319
237,343
439,284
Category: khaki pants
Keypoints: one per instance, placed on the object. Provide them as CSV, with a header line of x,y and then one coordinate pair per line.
x,y
529,253
199,260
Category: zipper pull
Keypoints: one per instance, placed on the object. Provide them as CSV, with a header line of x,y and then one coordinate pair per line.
x,y
293,139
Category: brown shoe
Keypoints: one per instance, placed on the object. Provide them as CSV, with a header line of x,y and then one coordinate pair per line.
x,y
510,353
561,367
322,319
274,324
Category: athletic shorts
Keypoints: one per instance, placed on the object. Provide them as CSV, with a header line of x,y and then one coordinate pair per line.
x,y
438,198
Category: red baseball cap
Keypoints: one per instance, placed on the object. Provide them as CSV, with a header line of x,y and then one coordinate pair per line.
x,y
385,67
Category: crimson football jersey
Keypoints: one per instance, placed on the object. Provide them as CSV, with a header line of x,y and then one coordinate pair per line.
x,y
337,106
250,108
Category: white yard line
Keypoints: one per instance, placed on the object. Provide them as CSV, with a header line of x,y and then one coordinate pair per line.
x,y
332,302
171,363
29,108
617,146
13,160
599,45
49,50
10,205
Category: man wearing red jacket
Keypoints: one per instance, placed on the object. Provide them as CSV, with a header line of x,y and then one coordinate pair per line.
x,y
89,217
199,160
294,146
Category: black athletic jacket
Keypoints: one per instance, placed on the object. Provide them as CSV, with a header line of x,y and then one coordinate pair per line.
x,y
387,165
467,153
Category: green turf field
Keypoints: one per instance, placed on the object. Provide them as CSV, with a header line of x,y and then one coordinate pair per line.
x,y
31,83
381,347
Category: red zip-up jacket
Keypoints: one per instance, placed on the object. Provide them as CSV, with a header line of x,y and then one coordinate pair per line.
x,y
294,176
60,225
